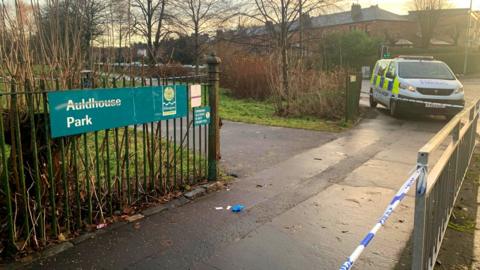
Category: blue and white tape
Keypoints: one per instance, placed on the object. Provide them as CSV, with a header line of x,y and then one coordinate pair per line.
x,y
391,207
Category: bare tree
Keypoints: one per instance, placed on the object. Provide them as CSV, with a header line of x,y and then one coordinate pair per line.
x,y
151,23
65,31
122,24
93,18
202,16
281,19
427,13
17,25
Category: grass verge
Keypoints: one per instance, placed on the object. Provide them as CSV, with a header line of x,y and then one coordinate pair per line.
x,y
464,220
459,248
263,113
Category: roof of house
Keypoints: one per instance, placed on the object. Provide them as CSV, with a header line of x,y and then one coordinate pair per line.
x,y
439,42
373,13
403,42
450,11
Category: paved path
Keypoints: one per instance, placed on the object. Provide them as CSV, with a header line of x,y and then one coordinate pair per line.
x,y
305,209
472,89
247,149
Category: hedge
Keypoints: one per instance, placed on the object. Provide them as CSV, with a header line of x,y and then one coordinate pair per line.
x,y
453,56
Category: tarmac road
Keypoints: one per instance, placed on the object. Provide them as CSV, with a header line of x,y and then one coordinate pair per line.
x,y
310,198
472,89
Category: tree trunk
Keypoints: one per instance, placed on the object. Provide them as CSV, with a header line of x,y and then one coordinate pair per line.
x,y
151,53
285,78
196,50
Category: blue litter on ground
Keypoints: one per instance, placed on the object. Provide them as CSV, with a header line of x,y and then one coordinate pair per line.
x,y
237,208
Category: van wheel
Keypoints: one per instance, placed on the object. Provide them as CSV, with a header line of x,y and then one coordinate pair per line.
x,y
393,108
373,103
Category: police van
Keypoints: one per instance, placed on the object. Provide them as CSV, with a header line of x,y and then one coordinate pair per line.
x,y
416,84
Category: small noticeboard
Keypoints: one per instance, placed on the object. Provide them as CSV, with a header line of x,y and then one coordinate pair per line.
x,y
201,116
195,95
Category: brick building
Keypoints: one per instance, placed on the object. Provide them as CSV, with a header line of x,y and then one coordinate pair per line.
x,y
372,20
395,29
451,27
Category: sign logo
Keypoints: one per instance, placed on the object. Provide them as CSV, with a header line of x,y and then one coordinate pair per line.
x,y
169,94
169,102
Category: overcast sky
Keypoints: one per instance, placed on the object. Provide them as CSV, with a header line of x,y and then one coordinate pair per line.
x,y
402,6
396,6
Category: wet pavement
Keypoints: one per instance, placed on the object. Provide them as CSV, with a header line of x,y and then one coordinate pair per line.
x,y
247,149
472,89
310,198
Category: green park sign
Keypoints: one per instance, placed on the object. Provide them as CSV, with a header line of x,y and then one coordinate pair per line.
x,y
79,111
201,116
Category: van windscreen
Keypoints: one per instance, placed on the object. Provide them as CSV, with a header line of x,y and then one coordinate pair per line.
x,y
424,70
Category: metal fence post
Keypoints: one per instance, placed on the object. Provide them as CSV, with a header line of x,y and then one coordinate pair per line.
x,y
352,96
420,215
214,128
347,90
5,179
358,90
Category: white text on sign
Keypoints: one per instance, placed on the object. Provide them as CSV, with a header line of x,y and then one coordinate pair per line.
x,y
86,121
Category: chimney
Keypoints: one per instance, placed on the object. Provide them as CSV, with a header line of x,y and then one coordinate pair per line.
x,y
219,34
269,27
306,20
356,12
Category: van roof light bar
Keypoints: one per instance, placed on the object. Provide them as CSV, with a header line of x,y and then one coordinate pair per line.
x,y
416,57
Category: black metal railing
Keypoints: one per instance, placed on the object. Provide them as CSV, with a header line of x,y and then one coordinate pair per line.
x,y
58,186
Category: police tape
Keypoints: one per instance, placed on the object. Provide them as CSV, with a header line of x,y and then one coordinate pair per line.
x,y
391,207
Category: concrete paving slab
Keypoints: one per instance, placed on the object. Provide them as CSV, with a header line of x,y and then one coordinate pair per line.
x,y
247,149
379,173
314,235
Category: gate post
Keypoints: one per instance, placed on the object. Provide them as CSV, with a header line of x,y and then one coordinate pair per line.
x,y
214,128
419,223
352,96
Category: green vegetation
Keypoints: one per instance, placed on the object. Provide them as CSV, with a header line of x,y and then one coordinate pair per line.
x,y
263,113
461,220
453,56
467,225
353,49
143,158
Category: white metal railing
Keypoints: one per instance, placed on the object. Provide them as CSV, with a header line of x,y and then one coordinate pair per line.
x,y
439,184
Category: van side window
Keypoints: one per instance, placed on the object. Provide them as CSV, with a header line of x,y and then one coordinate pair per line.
x,y
382,66
391,70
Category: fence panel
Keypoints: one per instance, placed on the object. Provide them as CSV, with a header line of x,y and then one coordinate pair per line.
x,y
57,186
440,183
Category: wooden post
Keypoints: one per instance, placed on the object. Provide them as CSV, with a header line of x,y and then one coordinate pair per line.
x,y
214,128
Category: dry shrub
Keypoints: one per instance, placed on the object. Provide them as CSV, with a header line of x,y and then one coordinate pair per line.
x,y
311,93
246,75
163,71
170,70
322,94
